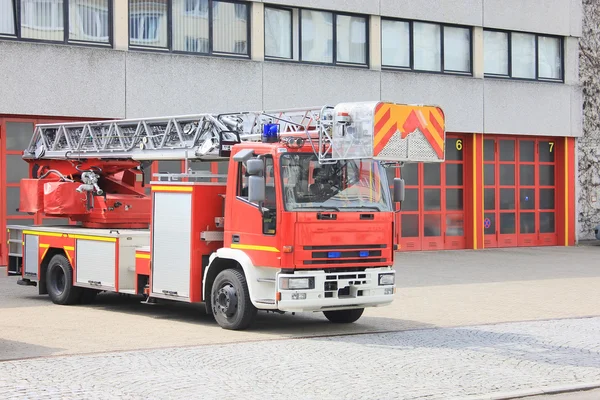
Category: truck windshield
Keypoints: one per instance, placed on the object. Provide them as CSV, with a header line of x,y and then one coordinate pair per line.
x,y
348,185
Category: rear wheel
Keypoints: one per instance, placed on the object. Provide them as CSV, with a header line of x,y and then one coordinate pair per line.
x,y
59,281
344,316
230,298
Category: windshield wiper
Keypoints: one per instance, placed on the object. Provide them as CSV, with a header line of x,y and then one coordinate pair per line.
x,y
320,207
365,207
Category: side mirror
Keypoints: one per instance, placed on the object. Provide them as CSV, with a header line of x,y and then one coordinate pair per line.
x,y
255,167
398,190
256,189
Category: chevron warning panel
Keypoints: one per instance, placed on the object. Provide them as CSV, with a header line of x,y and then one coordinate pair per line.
x,y
393,119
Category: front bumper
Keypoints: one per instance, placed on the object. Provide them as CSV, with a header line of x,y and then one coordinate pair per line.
x,y
336,291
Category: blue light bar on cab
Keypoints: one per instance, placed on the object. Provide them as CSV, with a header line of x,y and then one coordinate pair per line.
x,y
270,133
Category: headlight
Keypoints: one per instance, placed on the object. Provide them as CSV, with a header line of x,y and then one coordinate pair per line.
x,y
386,279
297,283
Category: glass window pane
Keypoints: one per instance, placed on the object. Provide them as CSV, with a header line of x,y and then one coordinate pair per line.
x,y
489,150
547,224
507,150
409,225
523,55
489,223
527,199
457,49
547,199
222,169
317,36
42,20
454,174
489,177
455,225
432,199
546,175
410,174
18,135
173,167
431,174
507,199
230,27
148,23
454,199
278,33
427,46
16,168
432,225
89,21
546,150
549,58
454,149
526,175
395,43
507,174
391,174
507,223
190,26
495,52
12,201
411,200
527,222
7,17
489,199
527,150
351,37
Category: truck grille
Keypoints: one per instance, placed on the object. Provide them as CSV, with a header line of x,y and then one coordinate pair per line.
x,y
345,254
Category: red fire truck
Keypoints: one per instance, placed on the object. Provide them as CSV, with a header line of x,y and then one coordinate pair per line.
x,y
302,221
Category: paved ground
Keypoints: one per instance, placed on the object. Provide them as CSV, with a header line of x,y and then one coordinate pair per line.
x,y
457,292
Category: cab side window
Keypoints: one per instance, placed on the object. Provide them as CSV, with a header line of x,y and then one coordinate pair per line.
x,y
242,182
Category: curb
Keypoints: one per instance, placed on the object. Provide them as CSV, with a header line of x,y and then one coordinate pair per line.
x,y
518,394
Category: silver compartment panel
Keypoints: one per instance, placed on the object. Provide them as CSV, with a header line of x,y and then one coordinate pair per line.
x,y
31,254
171,247
96,262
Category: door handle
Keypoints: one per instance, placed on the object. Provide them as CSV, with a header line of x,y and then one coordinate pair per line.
x,y
235,238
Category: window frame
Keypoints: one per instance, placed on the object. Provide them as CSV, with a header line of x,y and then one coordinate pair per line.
x,y
169,48
411,48
291,11
297,44
66,8
537,57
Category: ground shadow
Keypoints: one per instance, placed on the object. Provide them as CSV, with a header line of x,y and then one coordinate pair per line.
x,y
11,350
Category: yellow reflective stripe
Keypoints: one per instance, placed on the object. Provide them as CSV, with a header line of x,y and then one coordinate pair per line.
x,y
66,235
172,188
253,247
44,245
145,256
70,248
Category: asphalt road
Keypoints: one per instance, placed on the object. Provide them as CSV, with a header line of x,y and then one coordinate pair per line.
x,y
446,306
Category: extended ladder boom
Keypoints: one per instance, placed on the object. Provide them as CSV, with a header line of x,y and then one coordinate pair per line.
x,y
383,131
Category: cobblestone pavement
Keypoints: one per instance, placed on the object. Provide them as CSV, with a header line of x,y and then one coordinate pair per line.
x,y
442,363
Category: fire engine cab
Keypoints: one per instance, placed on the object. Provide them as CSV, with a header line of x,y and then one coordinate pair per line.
x,y
302,221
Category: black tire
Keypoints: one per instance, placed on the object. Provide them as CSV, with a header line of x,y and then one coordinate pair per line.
x,y
344,316
88,295
230,301
59,281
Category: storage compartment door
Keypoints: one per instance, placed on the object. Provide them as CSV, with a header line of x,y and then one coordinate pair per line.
x,y
171,241
31,255
96,263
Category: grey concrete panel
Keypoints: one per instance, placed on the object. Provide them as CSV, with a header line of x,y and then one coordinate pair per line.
x,y
576,111
43,79
461,98
543,16
576,18
171,84
355,6
467,12
532,108
571,60
289,85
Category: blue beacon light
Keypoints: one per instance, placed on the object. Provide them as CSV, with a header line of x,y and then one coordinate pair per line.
x,y
270,133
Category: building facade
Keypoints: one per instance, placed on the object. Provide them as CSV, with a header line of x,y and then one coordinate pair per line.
x,y
506,73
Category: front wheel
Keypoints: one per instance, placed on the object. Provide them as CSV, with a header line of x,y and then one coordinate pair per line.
x,y
59,281
344,316
230,298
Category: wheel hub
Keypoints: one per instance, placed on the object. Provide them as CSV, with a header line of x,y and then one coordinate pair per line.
x,y
226,300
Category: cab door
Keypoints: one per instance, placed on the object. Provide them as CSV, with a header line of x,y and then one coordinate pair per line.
x,y
249,229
